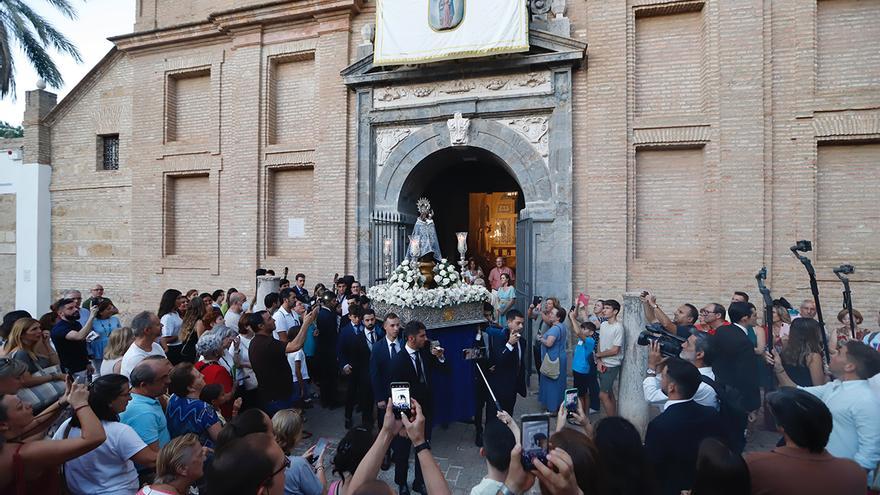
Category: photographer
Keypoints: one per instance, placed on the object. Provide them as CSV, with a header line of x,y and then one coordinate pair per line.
x,y
682,322
693,350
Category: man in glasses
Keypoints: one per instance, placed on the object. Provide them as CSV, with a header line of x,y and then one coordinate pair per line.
x,y
712,318
97,296
250,464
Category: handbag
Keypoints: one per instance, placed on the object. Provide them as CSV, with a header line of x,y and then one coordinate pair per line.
x,y
550,367
44,395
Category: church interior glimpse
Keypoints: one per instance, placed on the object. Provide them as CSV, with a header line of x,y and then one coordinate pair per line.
x,y
470,190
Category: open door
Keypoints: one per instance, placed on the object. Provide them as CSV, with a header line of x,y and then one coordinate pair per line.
x,y
524,281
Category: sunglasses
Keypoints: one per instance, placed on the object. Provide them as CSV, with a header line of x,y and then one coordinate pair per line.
x,y
284,465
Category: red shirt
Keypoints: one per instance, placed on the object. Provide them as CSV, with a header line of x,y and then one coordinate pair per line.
x,y
214,373
708,329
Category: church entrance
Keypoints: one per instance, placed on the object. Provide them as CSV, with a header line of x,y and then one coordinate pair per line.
x,y
471,190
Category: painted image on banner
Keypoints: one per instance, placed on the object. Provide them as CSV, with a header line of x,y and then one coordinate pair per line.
x,y
445,14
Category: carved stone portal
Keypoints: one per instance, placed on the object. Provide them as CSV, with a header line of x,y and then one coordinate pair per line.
x,y
458,130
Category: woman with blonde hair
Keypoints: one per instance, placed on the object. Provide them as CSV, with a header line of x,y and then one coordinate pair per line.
x,y
301,477
28,343
191,329
117,344
179,465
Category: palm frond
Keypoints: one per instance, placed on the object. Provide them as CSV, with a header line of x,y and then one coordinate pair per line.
x,y
64,7
7,64
35,52
47,33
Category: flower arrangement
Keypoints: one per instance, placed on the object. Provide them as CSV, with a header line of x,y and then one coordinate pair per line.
x,y
405,288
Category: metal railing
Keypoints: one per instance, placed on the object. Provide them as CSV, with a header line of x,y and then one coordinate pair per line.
x,y
386,225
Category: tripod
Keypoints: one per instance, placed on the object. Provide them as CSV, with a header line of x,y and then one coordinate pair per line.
x,y
842,271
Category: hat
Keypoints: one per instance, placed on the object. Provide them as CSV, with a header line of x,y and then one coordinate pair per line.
x,y
209,342
11,368
10,318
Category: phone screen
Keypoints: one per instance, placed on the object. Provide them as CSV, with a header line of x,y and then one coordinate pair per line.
x,y
571,400
534,439
400,400
319,447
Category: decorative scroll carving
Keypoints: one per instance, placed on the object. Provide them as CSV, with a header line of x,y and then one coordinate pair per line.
x,y
533,128
387,140
495,86
458,129
539,7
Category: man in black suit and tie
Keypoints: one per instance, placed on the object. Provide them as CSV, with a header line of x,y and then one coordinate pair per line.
x,y
356,343
325,349
382,354
415,364
673,438
504,368
733,361
302,294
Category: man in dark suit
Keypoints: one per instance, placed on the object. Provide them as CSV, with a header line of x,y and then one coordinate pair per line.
x,y
504,368
302,294
673,438
381,356
733,357
325,349
415,365
355,345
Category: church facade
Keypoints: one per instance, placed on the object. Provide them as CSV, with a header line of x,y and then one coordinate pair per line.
x,y
677,146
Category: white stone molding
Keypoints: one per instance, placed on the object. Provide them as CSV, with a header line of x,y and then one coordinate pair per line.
x,y
388,139
458,129
481,87
535,129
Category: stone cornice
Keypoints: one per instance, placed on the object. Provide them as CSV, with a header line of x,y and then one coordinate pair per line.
x,y
221,24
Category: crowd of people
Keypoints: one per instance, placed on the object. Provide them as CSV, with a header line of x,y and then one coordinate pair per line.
x,y
210,395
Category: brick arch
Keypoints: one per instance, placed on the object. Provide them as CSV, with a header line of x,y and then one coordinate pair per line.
x,y
524,163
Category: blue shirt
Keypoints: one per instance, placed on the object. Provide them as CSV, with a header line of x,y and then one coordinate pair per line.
x,y
583,349
145,415
300,479
103,328
187,415
855,433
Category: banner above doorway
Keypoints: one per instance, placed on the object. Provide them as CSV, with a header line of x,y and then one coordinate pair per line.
x,y
420,31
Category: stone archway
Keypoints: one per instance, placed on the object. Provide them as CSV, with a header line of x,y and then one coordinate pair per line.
x,y
523,161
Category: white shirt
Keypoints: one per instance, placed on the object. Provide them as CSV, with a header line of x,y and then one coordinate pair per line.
x,y
705,395
674,402
610,335
250,378
134,355
107,366
396,349
487,487
284,321
108,469
300,356
171,326
744,329
412,357
366,335
231,319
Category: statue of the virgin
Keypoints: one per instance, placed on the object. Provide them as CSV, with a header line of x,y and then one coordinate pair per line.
x,y
425,232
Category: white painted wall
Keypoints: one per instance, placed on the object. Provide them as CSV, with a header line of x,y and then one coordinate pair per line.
x,y
33,230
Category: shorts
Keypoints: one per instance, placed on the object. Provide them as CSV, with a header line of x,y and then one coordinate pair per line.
x,y
581,382
606,379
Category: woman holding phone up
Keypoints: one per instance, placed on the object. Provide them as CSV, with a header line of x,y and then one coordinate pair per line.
x,y
301,476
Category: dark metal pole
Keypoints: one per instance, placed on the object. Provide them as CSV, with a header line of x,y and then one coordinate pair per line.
x,y
806,246
841,273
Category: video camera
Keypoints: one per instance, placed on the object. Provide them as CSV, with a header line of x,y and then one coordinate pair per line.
x,y
670,345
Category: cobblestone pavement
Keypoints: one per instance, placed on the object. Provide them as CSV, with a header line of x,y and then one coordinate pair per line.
x,y
453,446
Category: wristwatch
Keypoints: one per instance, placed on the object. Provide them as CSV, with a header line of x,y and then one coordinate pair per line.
x,y
422,446
505,490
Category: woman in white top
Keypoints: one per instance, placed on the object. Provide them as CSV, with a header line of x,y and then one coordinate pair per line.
x,y
119,342
109,469
180,464
169,316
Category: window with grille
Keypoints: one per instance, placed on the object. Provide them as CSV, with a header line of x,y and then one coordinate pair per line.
x,y
109,159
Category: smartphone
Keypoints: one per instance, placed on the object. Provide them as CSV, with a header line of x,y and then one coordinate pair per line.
x,y
534,438
400,400
571,402
319,449
536,301
434,344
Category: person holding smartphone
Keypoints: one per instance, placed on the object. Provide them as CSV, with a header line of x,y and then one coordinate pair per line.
x,y
416,365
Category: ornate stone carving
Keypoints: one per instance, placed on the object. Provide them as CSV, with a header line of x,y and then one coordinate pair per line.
x,y
430,93
539,7
558,8
387,140
535,129
458,129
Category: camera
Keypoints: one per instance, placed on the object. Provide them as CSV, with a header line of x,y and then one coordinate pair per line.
x,y
473,353
670,345
803,246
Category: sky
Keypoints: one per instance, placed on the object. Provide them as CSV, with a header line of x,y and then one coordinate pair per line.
x,y
97,20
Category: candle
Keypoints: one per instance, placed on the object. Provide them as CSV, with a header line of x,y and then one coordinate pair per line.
x,y
414,246
462,241
387,246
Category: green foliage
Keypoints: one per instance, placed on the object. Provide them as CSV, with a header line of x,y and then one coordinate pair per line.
x,y
19,23
9,131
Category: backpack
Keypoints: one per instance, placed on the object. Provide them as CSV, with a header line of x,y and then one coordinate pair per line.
x,y
734,416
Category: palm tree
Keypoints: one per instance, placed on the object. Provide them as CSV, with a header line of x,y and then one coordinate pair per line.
x,y
34,35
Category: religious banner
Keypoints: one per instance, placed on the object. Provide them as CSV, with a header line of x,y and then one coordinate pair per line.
x,y
419,31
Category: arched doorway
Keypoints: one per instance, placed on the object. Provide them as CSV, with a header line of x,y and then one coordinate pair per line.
x,y
472,190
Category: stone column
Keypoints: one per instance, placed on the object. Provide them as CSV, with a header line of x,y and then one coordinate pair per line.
x,y
37,143
266,284
631,398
